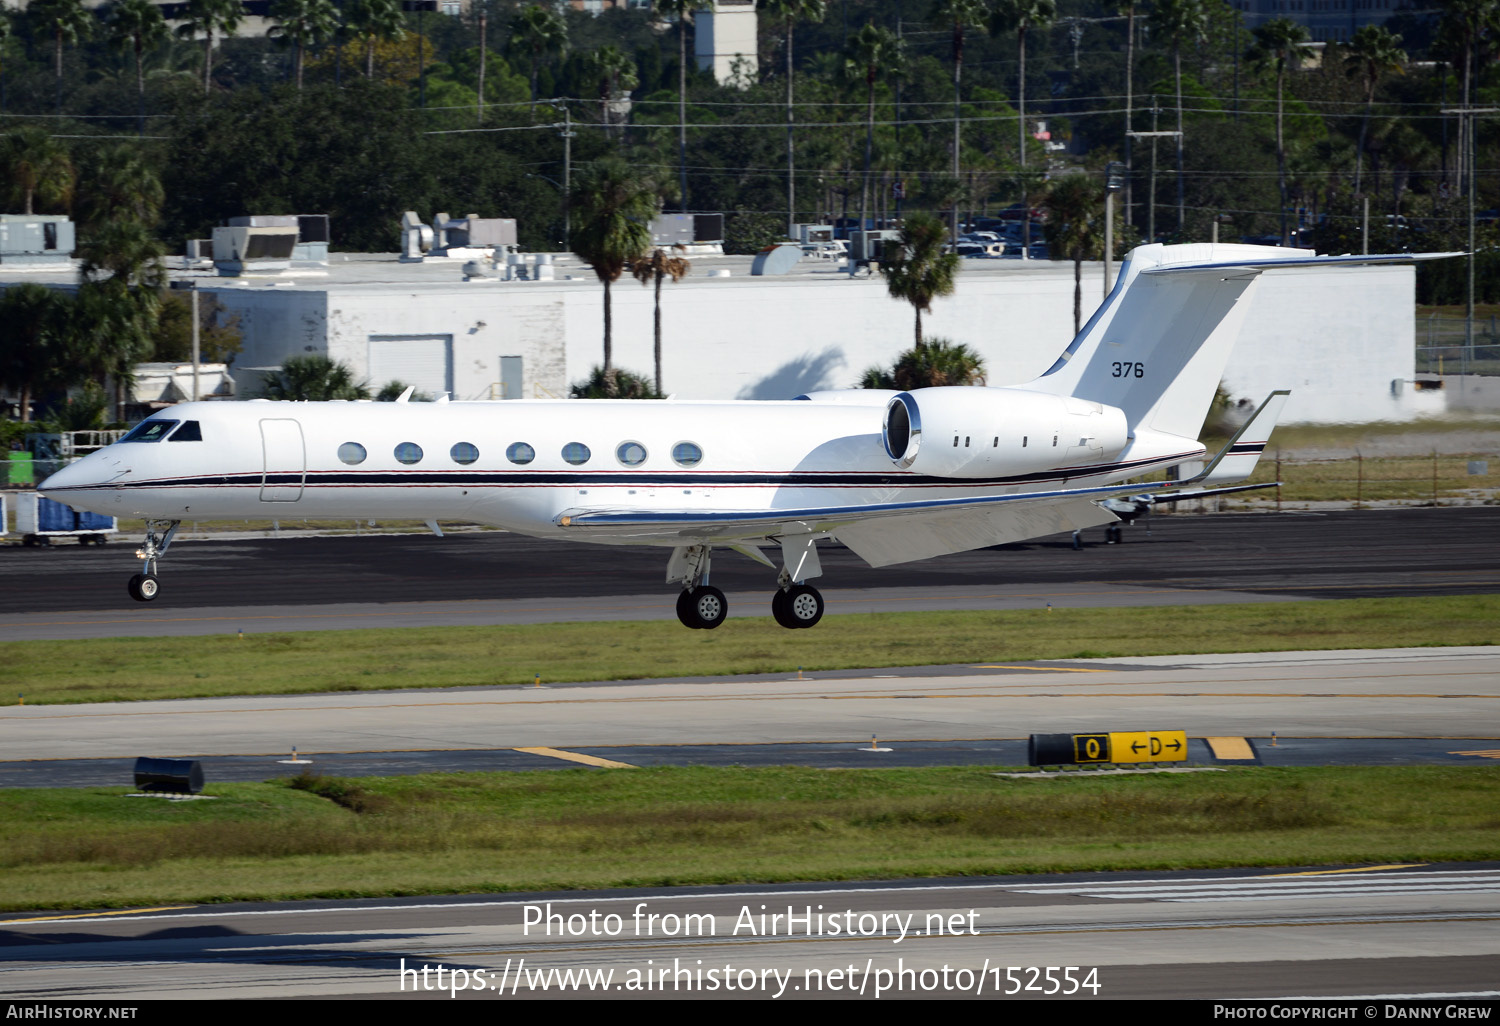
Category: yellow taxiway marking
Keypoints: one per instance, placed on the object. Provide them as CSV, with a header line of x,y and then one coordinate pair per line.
x,y
1361,869
1483,753
587,760
96,915
1037,669
1230,748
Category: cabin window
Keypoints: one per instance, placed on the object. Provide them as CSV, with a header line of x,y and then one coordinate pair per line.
x,y
576,453
150,431
464,453
632,454
408,453
687,454
352,453
189,432
520,453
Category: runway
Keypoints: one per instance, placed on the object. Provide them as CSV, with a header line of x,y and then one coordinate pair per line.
x,y
336,583
1317,932
1365,700
1379,933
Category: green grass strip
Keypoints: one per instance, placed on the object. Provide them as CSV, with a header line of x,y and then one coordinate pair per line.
x,y
125,669
487,832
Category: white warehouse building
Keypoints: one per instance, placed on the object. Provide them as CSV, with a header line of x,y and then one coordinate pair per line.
x,y
1341,338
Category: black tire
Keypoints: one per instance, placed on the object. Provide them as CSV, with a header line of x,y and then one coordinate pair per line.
x,y
804,605
780,612
144,587
685,613
709,606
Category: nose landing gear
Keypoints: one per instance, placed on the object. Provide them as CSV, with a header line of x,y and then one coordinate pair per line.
x,y
159,533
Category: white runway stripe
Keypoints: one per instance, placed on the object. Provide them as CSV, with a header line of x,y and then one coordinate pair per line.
x,y
1263,888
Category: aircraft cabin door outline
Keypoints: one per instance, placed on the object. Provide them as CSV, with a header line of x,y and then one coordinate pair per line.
x,y
285,455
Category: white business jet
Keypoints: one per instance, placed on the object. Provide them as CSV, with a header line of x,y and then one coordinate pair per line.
x,y
894,476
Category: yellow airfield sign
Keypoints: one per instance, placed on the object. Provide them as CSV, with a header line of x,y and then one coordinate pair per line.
x,y
1131,746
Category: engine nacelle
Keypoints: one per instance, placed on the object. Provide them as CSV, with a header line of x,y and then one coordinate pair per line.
x,y
973,432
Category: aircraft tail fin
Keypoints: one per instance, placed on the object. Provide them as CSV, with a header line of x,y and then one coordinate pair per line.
x,y
1157,347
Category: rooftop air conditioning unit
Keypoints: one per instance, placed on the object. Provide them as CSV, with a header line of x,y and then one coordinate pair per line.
x,y
245,250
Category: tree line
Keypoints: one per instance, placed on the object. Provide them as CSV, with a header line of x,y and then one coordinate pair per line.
x,y
860,109
868,109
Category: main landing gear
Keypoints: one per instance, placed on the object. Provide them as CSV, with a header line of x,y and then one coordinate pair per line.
x,y
159,533
703,607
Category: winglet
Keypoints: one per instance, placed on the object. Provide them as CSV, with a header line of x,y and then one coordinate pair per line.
x,y
1236,461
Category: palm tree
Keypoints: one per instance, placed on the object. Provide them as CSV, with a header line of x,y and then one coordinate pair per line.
x,y
614,71
657,267
137,24
1020,17
1276,46
540,30
33,355
1180,21
920,271
304,22
790,12
1468,21
208,17
680,9
959,15
934,364
1372,52
7,28
118,185
1127,8
373,20
1075,228
36,168
613,207
315,378
871,51
67,21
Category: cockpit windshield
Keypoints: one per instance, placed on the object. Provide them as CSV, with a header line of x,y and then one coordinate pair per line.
x,y
150,431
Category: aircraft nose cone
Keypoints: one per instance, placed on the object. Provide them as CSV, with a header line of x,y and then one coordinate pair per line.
x,y
76,480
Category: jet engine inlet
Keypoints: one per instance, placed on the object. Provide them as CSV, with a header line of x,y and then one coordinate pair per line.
x,y
903,430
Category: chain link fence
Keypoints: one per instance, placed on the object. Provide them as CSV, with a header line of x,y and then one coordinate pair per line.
x,y
1443,345
1358,480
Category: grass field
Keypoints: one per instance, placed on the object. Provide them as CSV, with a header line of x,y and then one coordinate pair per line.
x,y
125,669
458,833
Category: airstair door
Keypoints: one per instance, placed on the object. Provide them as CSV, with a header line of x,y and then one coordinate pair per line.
x,y
285,461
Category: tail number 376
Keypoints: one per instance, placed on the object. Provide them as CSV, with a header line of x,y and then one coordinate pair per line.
x,y
1128,370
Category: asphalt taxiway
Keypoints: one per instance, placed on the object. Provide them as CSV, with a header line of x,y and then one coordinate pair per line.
x,y
334,583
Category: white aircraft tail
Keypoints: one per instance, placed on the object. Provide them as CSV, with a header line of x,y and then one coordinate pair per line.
x,y
1157,347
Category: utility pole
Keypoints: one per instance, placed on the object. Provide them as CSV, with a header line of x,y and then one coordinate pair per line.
x,y
1466,133
196,390
1114,181
565,132
1151,197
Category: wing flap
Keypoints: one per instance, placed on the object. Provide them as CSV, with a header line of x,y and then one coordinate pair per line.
x,y
901,539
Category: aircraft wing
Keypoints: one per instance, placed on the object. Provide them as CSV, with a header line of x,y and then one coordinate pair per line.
x,y
880,533
883,533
